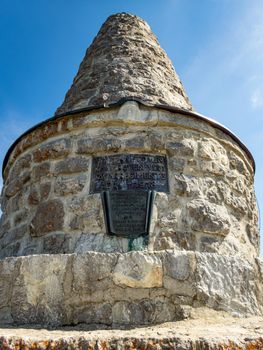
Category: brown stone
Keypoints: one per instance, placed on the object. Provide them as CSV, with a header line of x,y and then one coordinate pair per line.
x,y
72,165
17,184
49,217
33,197
44,190
52,150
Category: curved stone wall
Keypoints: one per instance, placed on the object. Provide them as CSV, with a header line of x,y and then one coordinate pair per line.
x,y
47,207
133,288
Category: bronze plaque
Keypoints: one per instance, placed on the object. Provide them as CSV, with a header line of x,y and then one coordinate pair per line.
x,y
123,172
127,213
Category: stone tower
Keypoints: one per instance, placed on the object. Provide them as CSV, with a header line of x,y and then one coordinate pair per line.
x,y
127,206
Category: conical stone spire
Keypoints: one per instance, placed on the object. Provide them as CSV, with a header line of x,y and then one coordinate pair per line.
x,y
125,60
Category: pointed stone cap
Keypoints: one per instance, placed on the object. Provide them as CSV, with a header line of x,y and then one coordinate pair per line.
x,y
125,60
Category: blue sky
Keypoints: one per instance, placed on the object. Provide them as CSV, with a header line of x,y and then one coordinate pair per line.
x,y
216,47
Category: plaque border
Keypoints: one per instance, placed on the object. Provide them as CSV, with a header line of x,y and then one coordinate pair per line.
x,y
91,191
148,216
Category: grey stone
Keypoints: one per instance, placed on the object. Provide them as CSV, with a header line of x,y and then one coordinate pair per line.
x,y
14,235
48,217
210,244
135,142
72,165
181,149
179,266
89,146
207,217
21,216
236,163
93,314
65,185
144,312
56,244
223,284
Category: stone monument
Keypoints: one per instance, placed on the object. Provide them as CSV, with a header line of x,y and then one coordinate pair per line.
x,y
127,207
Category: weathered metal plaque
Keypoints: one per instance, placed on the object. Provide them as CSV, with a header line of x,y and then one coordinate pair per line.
x,y
122,172
127,213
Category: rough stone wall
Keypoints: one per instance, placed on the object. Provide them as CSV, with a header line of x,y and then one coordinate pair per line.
x,y
124,60
126,289
47,207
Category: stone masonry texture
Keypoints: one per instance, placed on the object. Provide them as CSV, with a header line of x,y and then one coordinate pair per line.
x,y
125,60
135,288
211,205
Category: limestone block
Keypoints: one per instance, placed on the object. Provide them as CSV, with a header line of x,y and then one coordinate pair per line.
x,y
138,270
65,185
38,290
48,217
226,283
8,271
208,217
93,314
186,185
179,269
90,270
52,150
210,149
72,165
144,312
179,266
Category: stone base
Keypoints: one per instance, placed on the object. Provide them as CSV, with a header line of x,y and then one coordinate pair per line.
x,y
209,330
136,288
